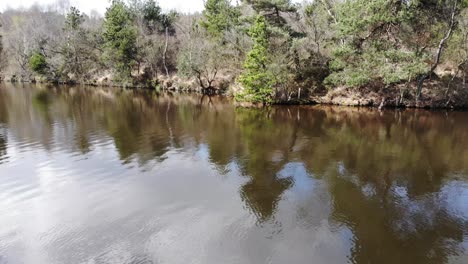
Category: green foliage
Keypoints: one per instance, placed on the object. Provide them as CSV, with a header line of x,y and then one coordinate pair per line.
x,y
257,80
151,15
76,53
272,10
375,45
278,50
184,63
292,57
38,63
457,49
168,19
73,19
219,16
120,38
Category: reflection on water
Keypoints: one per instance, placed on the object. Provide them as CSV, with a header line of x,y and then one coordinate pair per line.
x,y
92,175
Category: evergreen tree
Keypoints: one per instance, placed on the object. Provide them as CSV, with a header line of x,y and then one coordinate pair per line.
x,y
373,46
151,15
74,51
256,79
388,42
272,10
73,19
219,16
443,19
120,38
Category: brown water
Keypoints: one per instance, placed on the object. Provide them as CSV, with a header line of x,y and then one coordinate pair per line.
x,y
91,175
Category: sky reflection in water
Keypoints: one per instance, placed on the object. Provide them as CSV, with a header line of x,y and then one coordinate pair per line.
x,y
92,175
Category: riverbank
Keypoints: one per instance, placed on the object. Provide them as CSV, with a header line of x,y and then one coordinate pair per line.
x,y
436,94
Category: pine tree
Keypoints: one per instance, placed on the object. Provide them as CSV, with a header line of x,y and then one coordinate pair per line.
x,y
373,47
74,19
219,16
120,38
272,10
151,15
72,51
257,80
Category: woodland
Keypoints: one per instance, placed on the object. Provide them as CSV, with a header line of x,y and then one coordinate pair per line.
x,y
353,52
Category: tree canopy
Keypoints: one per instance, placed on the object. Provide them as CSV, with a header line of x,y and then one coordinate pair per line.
x,y
272,50
120,38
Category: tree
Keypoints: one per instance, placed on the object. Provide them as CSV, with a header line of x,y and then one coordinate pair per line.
x,y
167,23
373,44
273,10
288,42
457,48
203,60
390,42
151,15
73,19
447,11
146,19
77,51
151,22
2,57
38,63
120,38
1,41
256,79
219,17
318,26
292,53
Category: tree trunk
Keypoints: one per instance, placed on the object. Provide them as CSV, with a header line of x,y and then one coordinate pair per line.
x,y
329,11
332,14
440,48
165,50
464,78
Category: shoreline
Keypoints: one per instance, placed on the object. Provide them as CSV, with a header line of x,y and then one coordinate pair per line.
x,y
434,96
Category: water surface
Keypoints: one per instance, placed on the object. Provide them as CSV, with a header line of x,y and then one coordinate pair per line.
x,y
95,175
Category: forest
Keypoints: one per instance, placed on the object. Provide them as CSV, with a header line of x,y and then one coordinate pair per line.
x,y
411,53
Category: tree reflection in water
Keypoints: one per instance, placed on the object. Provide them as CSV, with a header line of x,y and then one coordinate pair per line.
x,y
389,176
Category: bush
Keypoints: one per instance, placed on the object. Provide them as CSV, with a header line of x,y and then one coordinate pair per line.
x,y
38,63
